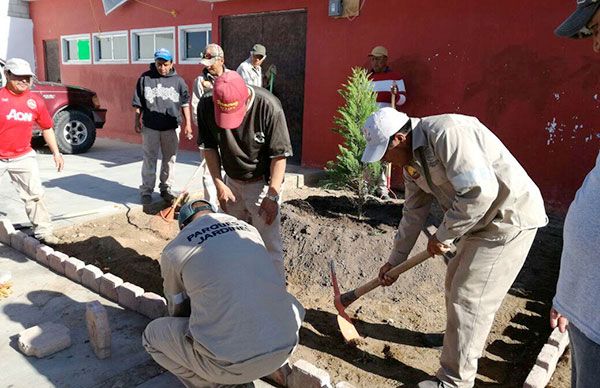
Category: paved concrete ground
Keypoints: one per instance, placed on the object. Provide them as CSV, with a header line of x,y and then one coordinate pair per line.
x,y
39,296
94,184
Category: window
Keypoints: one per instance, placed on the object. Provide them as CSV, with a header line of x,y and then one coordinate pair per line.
x,y
192,40
76,49
111,47
145,42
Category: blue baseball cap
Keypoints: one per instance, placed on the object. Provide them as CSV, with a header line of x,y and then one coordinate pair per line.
x,y
163,53
575,26
190,209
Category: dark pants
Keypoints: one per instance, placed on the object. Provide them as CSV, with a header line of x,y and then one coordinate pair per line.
x,y
585,359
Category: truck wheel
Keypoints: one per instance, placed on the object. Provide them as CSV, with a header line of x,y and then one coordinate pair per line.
x,y
75,131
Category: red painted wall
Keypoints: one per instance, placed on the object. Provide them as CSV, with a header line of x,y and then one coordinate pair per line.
x,y
498,61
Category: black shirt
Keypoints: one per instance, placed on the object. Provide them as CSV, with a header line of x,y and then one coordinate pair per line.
x,y
246,151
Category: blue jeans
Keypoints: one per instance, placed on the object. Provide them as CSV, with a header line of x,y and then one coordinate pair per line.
x,y
585,359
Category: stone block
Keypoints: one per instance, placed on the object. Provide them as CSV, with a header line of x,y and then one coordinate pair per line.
x,y
41,254
73,269
344,384
108,286
17,241
98,327
129,295
560,340
44,339
6,229
306,375
280,376
30,245
152,305
538,377
56,262
548,357
90,277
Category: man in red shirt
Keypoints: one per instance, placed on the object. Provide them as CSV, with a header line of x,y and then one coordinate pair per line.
x,y
382,79
19,109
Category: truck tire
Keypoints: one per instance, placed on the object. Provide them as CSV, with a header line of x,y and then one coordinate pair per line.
x,y
75,131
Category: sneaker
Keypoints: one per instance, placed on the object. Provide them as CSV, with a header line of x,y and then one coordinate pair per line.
x,y
146,199
167,195
431,384
49,239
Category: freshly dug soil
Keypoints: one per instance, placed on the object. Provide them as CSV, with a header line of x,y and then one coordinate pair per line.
x,y
319,226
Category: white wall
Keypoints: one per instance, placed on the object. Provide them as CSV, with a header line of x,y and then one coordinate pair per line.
x,y
16,36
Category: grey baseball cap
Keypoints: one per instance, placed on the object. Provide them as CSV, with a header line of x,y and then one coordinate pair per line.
x,y
575,26
258,49
18,66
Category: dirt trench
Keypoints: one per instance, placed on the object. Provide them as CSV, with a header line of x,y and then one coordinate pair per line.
x,y
318,226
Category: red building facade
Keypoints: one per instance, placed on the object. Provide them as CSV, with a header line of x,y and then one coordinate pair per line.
x,y
498,61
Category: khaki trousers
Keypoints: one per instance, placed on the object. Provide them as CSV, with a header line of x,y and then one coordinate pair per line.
x,y
152,141
168,342
477,279
248,197
25,175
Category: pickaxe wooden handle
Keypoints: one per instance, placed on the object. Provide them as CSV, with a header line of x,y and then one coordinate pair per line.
x,y
350,296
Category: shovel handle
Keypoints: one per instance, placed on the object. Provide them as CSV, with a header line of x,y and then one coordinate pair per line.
x,y
394,272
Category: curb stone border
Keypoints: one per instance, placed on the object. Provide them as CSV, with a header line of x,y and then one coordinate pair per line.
x,y
546,361
302,374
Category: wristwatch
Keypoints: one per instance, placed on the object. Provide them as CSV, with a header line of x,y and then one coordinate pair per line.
x,y
274,198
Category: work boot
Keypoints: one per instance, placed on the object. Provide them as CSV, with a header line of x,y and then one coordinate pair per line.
x,y
167,195
49,239
146,199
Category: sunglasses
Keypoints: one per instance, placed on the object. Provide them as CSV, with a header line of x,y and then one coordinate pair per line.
x,y
210,56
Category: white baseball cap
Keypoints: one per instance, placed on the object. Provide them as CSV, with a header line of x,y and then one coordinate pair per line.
x,y
18,66
378,129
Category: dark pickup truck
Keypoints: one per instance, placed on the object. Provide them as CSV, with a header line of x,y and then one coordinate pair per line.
x,y
75,111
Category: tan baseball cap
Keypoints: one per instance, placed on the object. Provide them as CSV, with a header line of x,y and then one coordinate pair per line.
x,y
211,53
379,51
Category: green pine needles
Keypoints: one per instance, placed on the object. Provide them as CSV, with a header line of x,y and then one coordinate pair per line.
x,y
347,171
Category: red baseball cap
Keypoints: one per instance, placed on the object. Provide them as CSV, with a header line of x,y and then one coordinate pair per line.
x,y
230,94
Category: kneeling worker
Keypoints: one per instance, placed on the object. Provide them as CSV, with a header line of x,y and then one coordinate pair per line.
x,y
491,207
231,318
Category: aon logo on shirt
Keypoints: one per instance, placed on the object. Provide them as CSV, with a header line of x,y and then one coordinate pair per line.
x,y
19,116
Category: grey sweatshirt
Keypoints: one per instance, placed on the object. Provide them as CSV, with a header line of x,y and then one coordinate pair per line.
x,y
578,289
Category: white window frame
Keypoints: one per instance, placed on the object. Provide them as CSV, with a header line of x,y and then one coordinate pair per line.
x,y
147,31
182,41
96,46
64,52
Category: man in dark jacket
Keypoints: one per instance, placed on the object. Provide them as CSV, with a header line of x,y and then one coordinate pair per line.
x,y
160,97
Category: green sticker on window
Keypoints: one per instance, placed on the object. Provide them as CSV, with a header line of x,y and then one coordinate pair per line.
x,y
83,49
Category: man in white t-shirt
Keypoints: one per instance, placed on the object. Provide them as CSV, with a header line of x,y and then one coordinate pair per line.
x,y
231,319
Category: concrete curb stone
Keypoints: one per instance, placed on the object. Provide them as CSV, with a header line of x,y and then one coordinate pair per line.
x,y
306,375
17,241
6,229
108,286
90,277
73,269
152,305
98,327
30,245
128,295
44,339
41,254
546,361
56,261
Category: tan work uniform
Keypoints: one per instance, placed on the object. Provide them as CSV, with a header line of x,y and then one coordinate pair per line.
x,y
491,205
233,319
